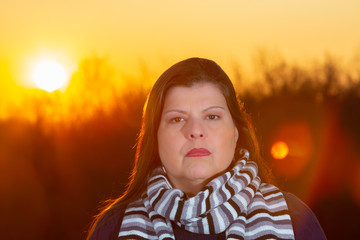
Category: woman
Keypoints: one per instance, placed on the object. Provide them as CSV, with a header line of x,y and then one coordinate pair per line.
x,y
198,172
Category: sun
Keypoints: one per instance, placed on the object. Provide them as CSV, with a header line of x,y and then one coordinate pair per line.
x,y
49,75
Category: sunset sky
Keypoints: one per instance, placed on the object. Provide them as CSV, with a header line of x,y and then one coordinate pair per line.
x,y
158,33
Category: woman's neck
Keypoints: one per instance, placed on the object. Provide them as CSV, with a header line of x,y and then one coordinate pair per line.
x,y
190,188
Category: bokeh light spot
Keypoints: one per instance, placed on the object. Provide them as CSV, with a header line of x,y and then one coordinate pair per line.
x,y
291,141
279,150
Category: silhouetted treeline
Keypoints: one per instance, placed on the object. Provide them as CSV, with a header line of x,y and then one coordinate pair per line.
x,y
54,174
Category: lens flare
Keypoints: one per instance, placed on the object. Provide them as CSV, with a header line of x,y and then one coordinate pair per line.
x,y
279,150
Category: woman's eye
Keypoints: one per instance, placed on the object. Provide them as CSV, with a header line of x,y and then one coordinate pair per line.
x,y
176,119
212,117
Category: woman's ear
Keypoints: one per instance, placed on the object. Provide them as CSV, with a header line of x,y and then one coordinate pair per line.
x,y
236,134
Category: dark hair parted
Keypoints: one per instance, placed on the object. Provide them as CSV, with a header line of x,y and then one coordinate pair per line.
x,y
184,73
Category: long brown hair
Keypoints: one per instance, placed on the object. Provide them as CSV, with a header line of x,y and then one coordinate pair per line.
x,y
184,73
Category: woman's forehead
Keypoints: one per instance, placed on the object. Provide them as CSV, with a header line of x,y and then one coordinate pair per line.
x,y
197,94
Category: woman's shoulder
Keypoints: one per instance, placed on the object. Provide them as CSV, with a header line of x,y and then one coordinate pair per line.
x,y
305,223
108,226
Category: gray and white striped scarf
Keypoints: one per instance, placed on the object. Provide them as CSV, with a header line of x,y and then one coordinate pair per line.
x,y
235,202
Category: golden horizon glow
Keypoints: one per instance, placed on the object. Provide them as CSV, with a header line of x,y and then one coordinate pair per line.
x,y
141,39
279,150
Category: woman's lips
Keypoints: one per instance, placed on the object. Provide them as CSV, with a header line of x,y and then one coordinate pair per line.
x,y
198,152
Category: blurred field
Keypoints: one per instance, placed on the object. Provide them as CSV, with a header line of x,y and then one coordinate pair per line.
x,y
61,154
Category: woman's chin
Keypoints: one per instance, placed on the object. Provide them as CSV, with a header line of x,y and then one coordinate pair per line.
x,y
200,172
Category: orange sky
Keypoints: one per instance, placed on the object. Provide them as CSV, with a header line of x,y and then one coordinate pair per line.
x,y
159,33
126,31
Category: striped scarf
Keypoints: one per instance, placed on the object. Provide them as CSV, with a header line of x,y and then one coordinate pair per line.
x,y
235,202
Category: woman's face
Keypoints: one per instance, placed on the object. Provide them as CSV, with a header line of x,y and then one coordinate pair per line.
x,y
197,136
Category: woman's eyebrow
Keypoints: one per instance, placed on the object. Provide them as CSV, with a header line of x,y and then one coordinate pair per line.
x,y
213,107
174,110
182,111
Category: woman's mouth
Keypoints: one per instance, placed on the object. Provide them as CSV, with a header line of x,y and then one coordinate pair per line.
x,y
198,152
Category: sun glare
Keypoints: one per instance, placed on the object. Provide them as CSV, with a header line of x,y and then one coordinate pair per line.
x,y
49,75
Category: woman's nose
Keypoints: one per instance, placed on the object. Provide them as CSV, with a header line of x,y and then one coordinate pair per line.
x,y
196,135
195,130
